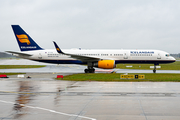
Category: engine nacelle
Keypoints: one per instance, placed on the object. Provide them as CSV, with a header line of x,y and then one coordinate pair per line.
x,y
105,64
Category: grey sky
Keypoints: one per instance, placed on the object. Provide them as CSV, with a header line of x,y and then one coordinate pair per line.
x,y
93,24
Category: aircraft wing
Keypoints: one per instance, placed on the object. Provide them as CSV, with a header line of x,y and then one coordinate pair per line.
x,y
84,58
19,53
79,57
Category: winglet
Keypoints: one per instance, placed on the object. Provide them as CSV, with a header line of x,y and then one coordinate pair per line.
x,y
57,48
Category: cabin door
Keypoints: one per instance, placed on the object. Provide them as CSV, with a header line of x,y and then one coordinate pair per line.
x,y
125,55
159,56
40,56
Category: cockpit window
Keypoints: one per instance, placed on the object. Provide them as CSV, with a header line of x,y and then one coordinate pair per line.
x,y
167,55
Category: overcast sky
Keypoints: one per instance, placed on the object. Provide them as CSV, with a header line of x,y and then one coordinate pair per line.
x,y
93,24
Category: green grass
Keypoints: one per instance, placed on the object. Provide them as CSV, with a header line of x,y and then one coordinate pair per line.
x,y
20,66
11,73
171,66
151,77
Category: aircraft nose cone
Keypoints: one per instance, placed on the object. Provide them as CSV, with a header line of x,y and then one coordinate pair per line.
x,y
173,59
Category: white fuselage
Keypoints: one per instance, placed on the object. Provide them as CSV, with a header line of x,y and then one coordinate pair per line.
x,y
106,59
119,56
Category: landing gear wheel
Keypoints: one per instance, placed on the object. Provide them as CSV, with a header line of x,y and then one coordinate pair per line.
x,y
154,71
86,71
92,70
89,70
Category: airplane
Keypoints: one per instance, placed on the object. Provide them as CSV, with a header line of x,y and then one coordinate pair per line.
x,y
104,58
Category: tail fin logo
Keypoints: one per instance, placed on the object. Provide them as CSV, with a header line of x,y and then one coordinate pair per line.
x,y
58,49
23,39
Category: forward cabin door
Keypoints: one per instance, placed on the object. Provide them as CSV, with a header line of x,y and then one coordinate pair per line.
x,y
159,56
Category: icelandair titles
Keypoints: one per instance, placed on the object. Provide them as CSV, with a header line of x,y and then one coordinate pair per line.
x,y
142,52
28,47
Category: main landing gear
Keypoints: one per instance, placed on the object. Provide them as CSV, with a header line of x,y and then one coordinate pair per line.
x,y
90,68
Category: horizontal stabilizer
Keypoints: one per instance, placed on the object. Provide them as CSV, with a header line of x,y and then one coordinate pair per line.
x,y
19,53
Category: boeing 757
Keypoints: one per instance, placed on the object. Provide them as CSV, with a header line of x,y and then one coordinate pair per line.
x,y
105,59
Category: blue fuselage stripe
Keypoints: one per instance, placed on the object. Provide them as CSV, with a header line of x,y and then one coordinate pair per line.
x,y
116,61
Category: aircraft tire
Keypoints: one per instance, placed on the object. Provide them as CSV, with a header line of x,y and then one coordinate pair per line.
x,y
86,71
89,70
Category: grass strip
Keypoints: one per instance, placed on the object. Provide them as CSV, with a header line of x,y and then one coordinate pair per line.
x,y
11,73
171,66
115,77
20,66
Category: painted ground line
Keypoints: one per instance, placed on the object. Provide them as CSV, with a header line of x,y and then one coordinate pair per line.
x,y
53,111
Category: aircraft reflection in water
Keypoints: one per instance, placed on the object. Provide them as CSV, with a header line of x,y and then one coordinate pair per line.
x,y
24,97
57,97
30,90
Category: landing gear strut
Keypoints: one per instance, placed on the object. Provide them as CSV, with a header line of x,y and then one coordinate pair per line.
x,y
90,68
154,70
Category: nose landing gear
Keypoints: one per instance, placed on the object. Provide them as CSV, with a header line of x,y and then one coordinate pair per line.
x,y
154,70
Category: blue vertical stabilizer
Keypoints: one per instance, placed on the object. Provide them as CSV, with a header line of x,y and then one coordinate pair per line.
x,y
26,43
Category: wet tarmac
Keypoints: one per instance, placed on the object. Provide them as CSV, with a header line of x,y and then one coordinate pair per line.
x,y
49,99
43,97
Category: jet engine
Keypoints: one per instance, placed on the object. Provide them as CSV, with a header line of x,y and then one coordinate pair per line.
x,y
105,64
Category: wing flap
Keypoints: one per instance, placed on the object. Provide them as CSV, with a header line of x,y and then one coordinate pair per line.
x,y
85,58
